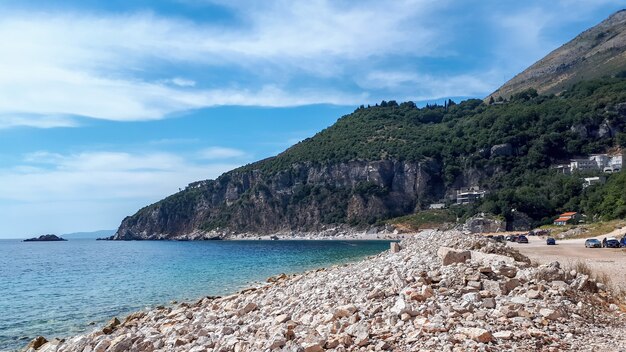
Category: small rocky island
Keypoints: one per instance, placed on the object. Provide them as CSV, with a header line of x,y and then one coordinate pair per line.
x,y
45,238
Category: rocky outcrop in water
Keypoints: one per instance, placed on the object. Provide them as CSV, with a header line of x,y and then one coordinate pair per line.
x,y
45,238
439,292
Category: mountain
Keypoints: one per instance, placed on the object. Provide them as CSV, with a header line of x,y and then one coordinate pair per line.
x,y
597,52
89,235
392,160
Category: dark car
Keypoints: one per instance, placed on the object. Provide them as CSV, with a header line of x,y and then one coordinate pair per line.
x,y
499,238
550,241
593,243
522,239
611,243
622,242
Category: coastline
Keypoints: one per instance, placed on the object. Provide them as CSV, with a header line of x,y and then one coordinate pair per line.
x,y
331,233
400,301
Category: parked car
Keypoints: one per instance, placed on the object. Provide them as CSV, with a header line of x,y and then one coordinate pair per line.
x,y
522,239
622,242
593,243
550,241
538,232
511,238
612,242
499,238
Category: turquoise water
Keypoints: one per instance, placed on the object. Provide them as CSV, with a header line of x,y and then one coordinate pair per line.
x,y
56,289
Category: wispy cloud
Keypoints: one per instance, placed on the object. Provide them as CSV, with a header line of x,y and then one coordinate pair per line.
x,y
147,66
407,85
92,190
37,121
96,66
213,153
97,176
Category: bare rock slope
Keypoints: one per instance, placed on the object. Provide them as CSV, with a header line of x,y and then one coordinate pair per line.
x,y
597,52
443,291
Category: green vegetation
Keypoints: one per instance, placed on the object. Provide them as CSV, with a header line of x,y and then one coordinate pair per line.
x,y
507,147
434,218
541,130
592,229
607,201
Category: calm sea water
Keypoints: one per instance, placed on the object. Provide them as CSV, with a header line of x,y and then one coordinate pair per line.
x,y
56,289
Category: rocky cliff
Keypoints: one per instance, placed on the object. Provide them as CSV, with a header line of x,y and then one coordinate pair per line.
x,y
392,159
597,52
304,197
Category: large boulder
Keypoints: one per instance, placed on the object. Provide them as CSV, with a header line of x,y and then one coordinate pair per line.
x,y
550,272
489,258
451,256
36,342
484,223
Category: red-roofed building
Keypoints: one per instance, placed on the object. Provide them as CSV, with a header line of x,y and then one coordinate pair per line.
x,y
570,217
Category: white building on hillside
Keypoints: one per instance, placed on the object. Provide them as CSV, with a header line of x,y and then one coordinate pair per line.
x,y
597,162
469,195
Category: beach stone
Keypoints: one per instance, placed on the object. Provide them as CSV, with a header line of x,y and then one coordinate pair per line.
x,y
503,335
394,247
533,294
551,314
344,311
312,347
550,272
120,344
102,345
400,307
450,256
111,326
247,308
37,342
472,297
509,285
507,271
278,342
227,330
477,334
489,303
282,318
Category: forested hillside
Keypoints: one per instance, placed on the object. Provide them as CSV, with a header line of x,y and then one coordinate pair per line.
x,y
394,159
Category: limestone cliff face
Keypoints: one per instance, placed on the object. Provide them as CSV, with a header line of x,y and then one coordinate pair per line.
x,y
306,197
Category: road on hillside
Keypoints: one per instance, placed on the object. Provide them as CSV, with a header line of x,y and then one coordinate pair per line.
x,y
568,252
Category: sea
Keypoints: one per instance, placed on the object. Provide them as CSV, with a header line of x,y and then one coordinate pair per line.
x,y
60,289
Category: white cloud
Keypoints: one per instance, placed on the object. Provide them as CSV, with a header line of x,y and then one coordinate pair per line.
x,y
59,64
98,176
182,82
425,87
38,121
91,190
212,153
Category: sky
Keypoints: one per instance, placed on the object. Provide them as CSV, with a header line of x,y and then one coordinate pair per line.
x,y
108,106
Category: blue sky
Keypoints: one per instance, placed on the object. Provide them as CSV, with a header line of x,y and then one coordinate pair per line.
x,y
107,106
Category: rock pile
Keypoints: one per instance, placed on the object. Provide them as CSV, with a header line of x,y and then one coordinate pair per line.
x,y
442,291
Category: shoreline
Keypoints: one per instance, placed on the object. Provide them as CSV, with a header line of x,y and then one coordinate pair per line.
x,y
402,301
88,327
334,233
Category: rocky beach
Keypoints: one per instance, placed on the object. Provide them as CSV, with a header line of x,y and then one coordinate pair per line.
x,y
436,291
